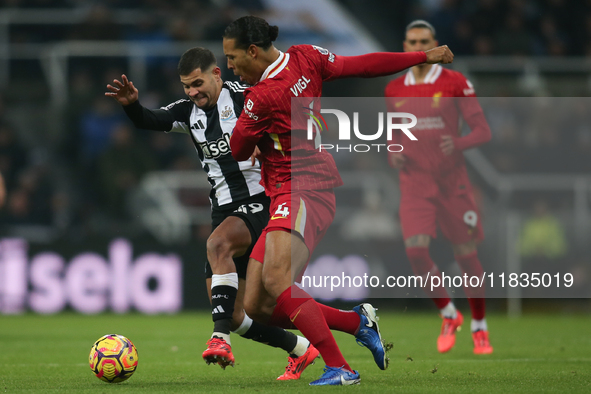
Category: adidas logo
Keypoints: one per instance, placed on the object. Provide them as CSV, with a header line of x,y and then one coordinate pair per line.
x,y
217,309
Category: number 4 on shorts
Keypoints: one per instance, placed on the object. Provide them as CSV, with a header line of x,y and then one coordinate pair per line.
x,y
282,210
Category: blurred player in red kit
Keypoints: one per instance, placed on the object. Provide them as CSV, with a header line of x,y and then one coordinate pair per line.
x,y
300,181
434,184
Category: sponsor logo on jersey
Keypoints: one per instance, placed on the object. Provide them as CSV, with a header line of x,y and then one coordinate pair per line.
x,y
217,148
250,114
430,123
249,104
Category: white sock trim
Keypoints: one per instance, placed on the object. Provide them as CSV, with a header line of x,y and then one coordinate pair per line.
x,y
244,326
225,337
230,279
478,325
449,311
300,347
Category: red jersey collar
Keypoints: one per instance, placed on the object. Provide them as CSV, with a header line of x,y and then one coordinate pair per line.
x,y
430,78
276,67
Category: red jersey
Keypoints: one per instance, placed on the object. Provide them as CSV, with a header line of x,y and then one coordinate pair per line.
x,y
437,117
289,159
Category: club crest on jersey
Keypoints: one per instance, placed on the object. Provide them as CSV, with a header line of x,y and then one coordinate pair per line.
x,y
436,98
227,113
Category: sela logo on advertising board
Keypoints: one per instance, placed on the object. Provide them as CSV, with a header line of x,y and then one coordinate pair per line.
x,y
89,283
405,121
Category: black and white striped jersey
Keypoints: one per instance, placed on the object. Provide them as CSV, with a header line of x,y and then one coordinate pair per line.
x,y
210,131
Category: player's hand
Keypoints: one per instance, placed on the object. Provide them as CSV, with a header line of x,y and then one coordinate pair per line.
x,y
440,54
255,155
123,92
396,160
447,144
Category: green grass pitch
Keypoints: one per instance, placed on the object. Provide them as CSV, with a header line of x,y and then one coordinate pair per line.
x,y
536,353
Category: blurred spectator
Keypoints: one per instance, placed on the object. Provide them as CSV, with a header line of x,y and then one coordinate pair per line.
x,y
505,148
96,126
98,25
543,235
514,39
165,149
82,94
2,191
13,155
18,210
36,183
370,223
121,167
485,18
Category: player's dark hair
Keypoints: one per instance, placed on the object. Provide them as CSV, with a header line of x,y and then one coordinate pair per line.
x,y
421,24
196,58
251,30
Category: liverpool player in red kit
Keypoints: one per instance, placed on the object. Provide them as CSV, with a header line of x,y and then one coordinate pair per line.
x,y
433,180
299,179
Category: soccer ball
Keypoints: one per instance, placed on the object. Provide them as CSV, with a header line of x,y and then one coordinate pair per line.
x,y
113,358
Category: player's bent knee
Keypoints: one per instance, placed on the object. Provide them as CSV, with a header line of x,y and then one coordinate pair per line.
x,y
275,283
237,318
256,313
218,246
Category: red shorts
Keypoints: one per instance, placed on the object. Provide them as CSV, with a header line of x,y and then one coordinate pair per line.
x,y
306,213
451,207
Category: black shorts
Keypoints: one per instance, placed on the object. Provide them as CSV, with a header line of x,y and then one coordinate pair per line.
x,y
255,213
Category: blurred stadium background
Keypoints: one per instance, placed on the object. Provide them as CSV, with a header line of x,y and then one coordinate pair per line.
x,y
89,195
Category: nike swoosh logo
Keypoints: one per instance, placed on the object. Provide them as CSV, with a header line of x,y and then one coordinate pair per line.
x,y
296,315
369,323
278,217
399,104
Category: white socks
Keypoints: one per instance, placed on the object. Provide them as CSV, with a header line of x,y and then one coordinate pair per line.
x,y
478,325
449,311
244,326
300,347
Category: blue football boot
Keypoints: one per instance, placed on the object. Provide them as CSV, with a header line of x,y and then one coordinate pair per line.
x,y
337,377
369,336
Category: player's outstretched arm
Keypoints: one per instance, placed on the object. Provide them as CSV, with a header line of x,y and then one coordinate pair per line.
x,y
123,91
440,54
377,64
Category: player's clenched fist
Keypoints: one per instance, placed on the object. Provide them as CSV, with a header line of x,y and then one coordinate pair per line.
x,y
440,54
123,92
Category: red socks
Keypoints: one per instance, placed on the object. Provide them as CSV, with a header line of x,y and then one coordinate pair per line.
x,y
422,264
307,316
345,321
470,265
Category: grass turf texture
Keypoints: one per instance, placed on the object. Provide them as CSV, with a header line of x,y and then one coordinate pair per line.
x,y
539,353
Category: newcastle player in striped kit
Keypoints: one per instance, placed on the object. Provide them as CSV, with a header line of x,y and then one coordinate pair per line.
x,y
240,208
